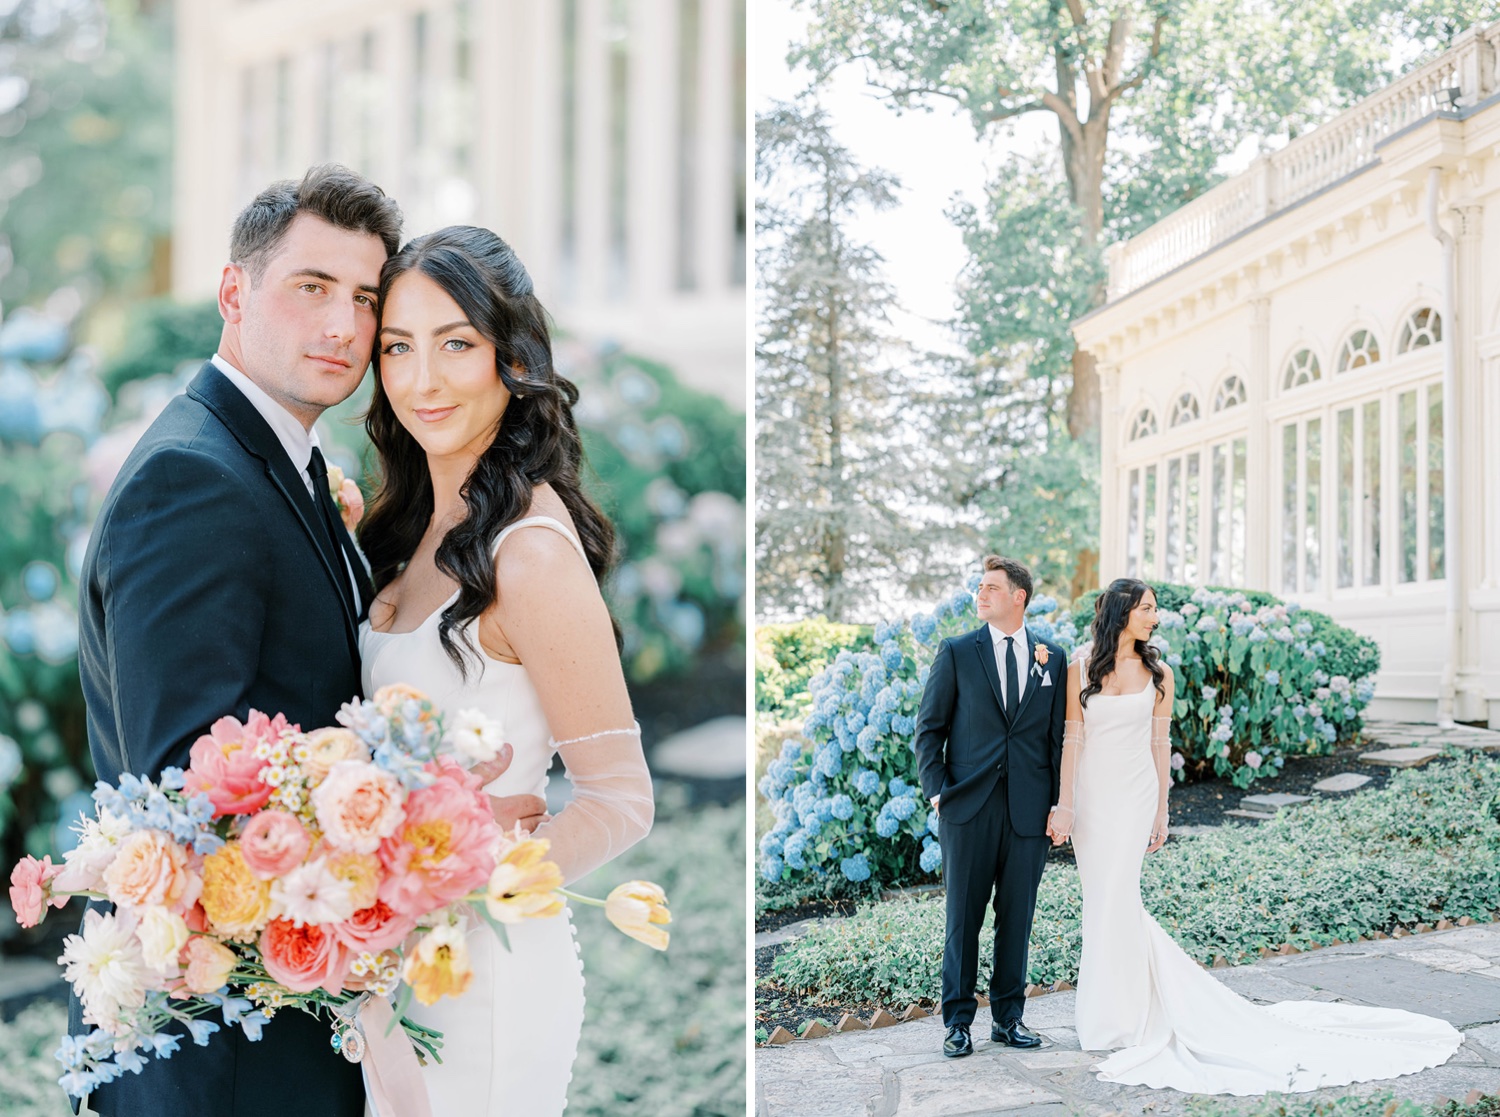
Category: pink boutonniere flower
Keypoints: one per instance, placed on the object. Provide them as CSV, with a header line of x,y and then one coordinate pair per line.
x,y
346,495
1041,655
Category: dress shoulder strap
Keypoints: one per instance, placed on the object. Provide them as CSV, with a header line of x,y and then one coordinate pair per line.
x,y
539,521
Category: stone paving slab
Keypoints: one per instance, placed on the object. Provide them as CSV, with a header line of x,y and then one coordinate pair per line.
x,y
1461,999
785,933
1344,781
1442,973
715,749
1273,802
1401,757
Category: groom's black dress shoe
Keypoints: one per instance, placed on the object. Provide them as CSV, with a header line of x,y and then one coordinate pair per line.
x,y
1015,1034
957,1042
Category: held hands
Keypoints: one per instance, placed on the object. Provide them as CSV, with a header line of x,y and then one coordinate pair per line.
x,y
1060,824
529,811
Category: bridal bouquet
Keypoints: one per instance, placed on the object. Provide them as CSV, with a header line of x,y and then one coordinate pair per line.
x,y
324,871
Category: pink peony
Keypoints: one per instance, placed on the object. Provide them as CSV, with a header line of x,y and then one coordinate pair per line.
x,y
304,958
273,843
357,805
375,928
224,765
31,889
206,964
445,848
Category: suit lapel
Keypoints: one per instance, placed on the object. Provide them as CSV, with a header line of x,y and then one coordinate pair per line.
x,y
212,389
985,646
1033,684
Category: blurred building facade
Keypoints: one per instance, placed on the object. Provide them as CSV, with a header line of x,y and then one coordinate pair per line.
x,y
1300,374
605,139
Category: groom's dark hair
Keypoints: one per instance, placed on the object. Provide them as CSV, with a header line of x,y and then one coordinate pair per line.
x,y
336,194
1020,577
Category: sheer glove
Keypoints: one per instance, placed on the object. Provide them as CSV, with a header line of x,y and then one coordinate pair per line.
x,y
612,806
1061,822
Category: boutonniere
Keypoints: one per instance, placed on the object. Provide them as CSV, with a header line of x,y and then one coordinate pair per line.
x,y
347,496
1040,656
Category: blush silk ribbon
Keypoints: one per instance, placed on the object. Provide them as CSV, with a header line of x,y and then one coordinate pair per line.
x,y
393,1078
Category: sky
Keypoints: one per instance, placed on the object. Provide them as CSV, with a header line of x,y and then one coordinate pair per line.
x,y
935,155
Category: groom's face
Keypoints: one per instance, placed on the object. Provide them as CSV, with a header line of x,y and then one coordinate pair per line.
x,y
997,601
303,329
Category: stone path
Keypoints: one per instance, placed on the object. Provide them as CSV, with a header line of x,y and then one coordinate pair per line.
x,y
900,1071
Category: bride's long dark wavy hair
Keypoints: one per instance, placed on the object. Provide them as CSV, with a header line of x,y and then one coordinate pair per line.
x,y
1111,615
536,442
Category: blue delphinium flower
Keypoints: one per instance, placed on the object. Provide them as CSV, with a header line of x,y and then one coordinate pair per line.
x,y
856,868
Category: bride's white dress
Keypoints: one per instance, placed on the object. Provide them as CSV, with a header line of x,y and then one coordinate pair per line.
x,y
510,1040
1138,990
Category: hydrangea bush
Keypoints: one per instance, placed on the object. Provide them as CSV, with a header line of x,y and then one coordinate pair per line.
x,y
1252,685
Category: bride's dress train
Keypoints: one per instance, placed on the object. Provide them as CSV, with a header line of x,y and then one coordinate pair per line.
x,y
1178,1026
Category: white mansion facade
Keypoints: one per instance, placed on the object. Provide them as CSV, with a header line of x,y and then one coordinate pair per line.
x,y
605,139
1301,384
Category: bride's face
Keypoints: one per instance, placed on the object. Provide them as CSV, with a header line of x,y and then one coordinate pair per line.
x,y
1142,620
438,371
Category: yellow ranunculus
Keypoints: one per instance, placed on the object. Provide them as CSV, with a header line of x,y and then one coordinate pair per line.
x,y
524,884
439,965
236,901
637,907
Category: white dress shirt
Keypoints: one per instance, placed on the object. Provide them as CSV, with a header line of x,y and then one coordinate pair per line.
x,y
295,439
1023,667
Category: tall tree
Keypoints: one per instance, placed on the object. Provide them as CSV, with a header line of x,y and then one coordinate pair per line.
x,y
835,503
1147,98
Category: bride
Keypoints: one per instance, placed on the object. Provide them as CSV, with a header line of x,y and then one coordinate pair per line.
x,y
487,557
1177,1026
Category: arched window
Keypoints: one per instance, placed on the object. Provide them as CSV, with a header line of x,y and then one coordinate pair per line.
x,y
1424,327
1231,393
1145,424
1184,410
1359,349
1302,369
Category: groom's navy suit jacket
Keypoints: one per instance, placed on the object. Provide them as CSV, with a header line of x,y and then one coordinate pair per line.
x,y
211,588
965,742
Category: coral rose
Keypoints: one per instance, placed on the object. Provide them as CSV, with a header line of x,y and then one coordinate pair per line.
x,y
445,848
357,805
351,503
304,958
236,901
325,748
273,843
31,889
206,964
224,765
374,928
151,870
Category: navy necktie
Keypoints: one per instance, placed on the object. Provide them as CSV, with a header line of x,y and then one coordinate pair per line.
x,y
317,470
1012,680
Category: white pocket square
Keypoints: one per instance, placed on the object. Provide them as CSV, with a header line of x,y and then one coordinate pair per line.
x,y
1046,680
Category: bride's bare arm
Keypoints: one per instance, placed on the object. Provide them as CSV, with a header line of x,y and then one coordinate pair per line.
x,y
553,617
1161,755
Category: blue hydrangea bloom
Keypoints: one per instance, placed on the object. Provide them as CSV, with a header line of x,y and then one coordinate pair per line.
x,y
903,724
843,807
770,868
899,786
869,743
790,749
856,868
890,653
792,851
932,822
866,782
901,809
886,824
932,858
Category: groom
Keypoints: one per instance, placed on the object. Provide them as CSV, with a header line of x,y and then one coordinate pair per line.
x,y
219,578
989,750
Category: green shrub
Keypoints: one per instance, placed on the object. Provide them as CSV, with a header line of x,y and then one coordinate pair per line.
x,y
787,656
1426,846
